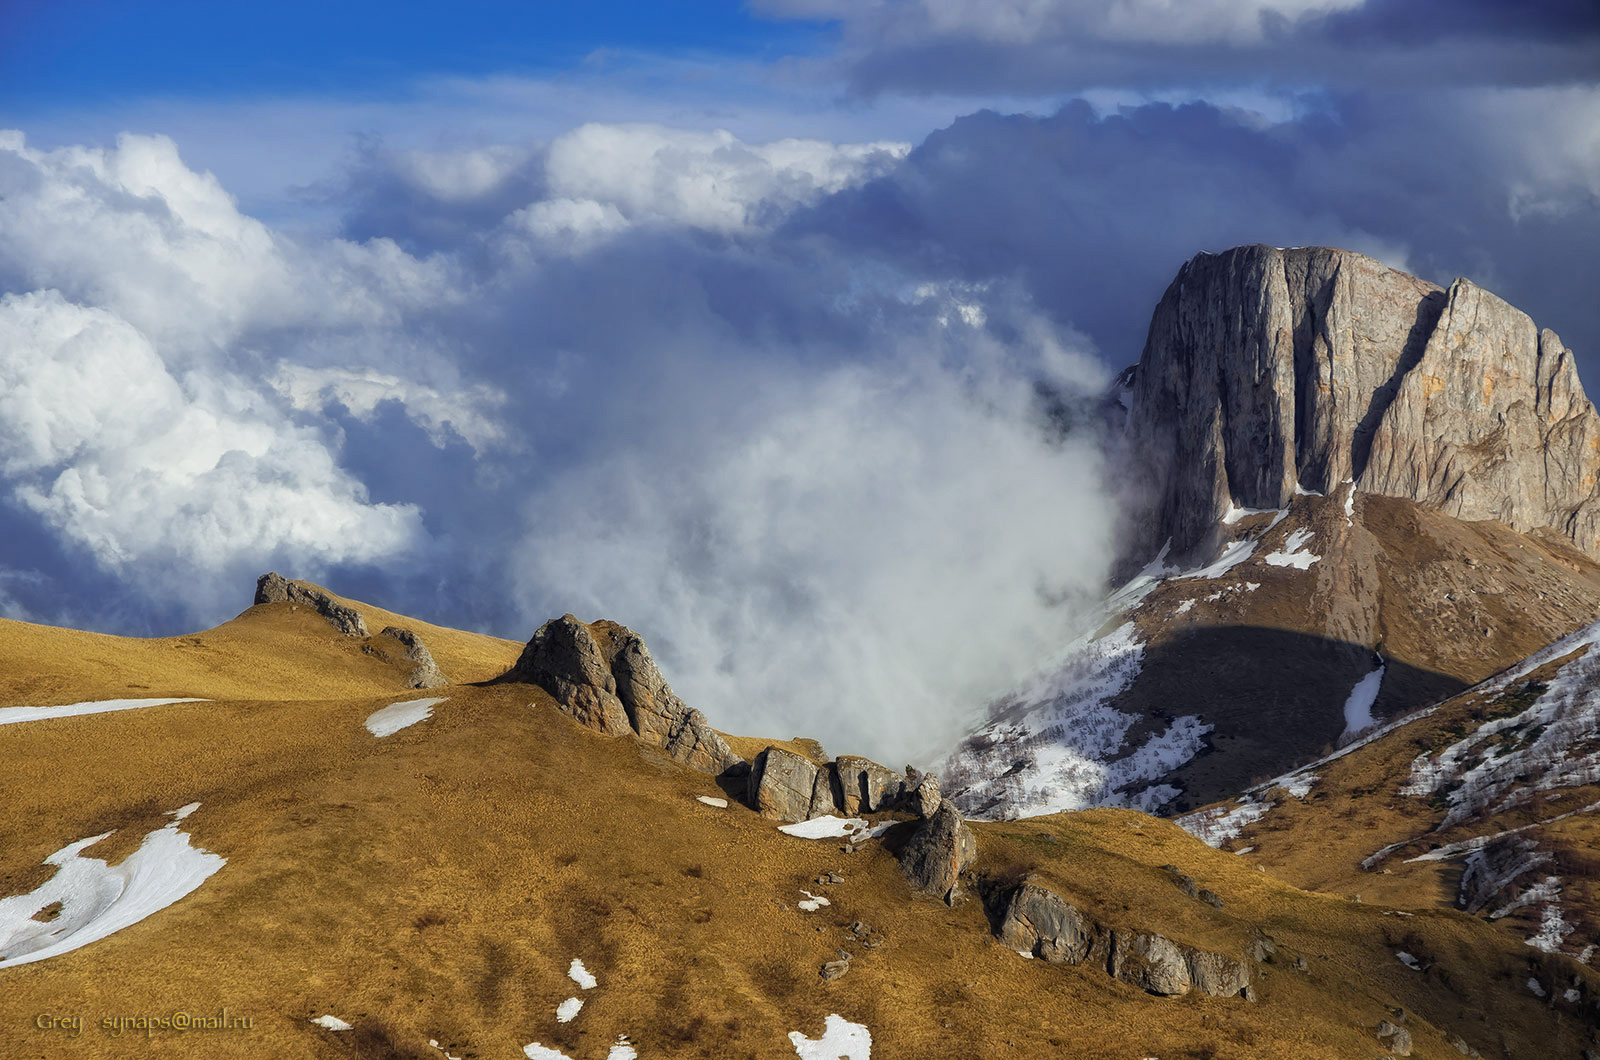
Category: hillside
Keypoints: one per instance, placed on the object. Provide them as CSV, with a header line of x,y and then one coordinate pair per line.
x,y
437,883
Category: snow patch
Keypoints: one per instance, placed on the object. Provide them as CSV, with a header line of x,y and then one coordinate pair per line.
x,y
333,1023
721,804
813,902
1235,553
568,1010
1218,824
1534,987
98,899
841,1040
1183,608
1290,555
825,827
1408,960
535,1051
1358,707
622,1049
580,975
397,716
13,715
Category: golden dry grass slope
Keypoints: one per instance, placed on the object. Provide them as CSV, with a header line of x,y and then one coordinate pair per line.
x,y
434,886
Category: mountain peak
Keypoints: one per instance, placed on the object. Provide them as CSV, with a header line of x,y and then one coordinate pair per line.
x,y
1268,371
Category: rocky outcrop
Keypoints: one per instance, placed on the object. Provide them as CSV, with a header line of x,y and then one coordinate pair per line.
x,y
1268,370
938,852
1038,921
273,588
867,787
424,672
658,715
782,785
604,677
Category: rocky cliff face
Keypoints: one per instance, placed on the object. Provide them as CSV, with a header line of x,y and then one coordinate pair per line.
x,y
1268,371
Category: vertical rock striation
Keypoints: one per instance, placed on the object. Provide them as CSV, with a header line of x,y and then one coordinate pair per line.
x,y
1268,370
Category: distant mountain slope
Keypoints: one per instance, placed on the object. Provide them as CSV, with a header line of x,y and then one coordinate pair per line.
x,y
1327,460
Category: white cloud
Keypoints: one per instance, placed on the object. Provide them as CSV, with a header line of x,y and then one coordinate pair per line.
x,y
711,180
149,470
464,413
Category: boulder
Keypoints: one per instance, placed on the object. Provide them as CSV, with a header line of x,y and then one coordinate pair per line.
x,y
937,853
782,785
1217,975
924,798
658,716
564,659
867,787
1153,963
273,587
1268,370
825,793
425,673
1396,1038
1041,922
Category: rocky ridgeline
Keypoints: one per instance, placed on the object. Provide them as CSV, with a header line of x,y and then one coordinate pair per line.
x,y
1270,370
1038,921
421,669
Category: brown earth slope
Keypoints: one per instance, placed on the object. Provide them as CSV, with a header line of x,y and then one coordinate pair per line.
x,y
435,885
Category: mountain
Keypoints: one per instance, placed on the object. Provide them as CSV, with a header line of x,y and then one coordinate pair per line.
x,y
260,840
1353,494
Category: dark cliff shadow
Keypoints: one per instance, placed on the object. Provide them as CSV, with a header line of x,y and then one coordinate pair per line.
x,y
1275,699
1428,313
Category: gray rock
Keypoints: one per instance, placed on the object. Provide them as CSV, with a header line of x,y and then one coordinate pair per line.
x,y
425,673
782,784
1041,922
834,969
275,588
1266,369
867,787
937,853
658,715
1398,1038
924,799
1218,975
825,797
1153,963
564,659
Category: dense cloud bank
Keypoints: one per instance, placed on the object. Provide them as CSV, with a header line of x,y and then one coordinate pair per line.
x,y
779,406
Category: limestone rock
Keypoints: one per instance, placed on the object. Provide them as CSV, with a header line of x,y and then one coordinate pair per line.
x,y
1041,922
1268,369
782,785
564,659
867,787
425,673
1398,1038
1153,963
273,587
936,854
825,793
1218,975
658,715
924,798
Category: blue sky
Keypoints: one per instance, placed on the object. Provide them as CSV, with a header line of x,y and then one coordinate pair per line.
x,y
746,326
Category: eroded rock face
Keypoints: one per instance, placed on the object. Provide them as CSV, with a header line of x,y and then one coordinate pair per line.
x,y
564,659
273,587
1039,921
867,787
782,785
658,715
936,854
1268,369
425,673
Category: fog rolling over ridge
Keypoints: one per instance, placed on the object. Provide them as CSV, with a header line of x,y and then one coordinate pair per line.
x,y
866,558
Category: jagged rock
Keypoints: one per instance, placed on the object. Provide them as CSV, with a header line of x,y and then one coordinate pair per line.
x,y
425,673
938,851
1041,922
925,799
564,659
867,787
825,796
658,715
1399,1039
1152,963
1268,369
782,784
273,587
